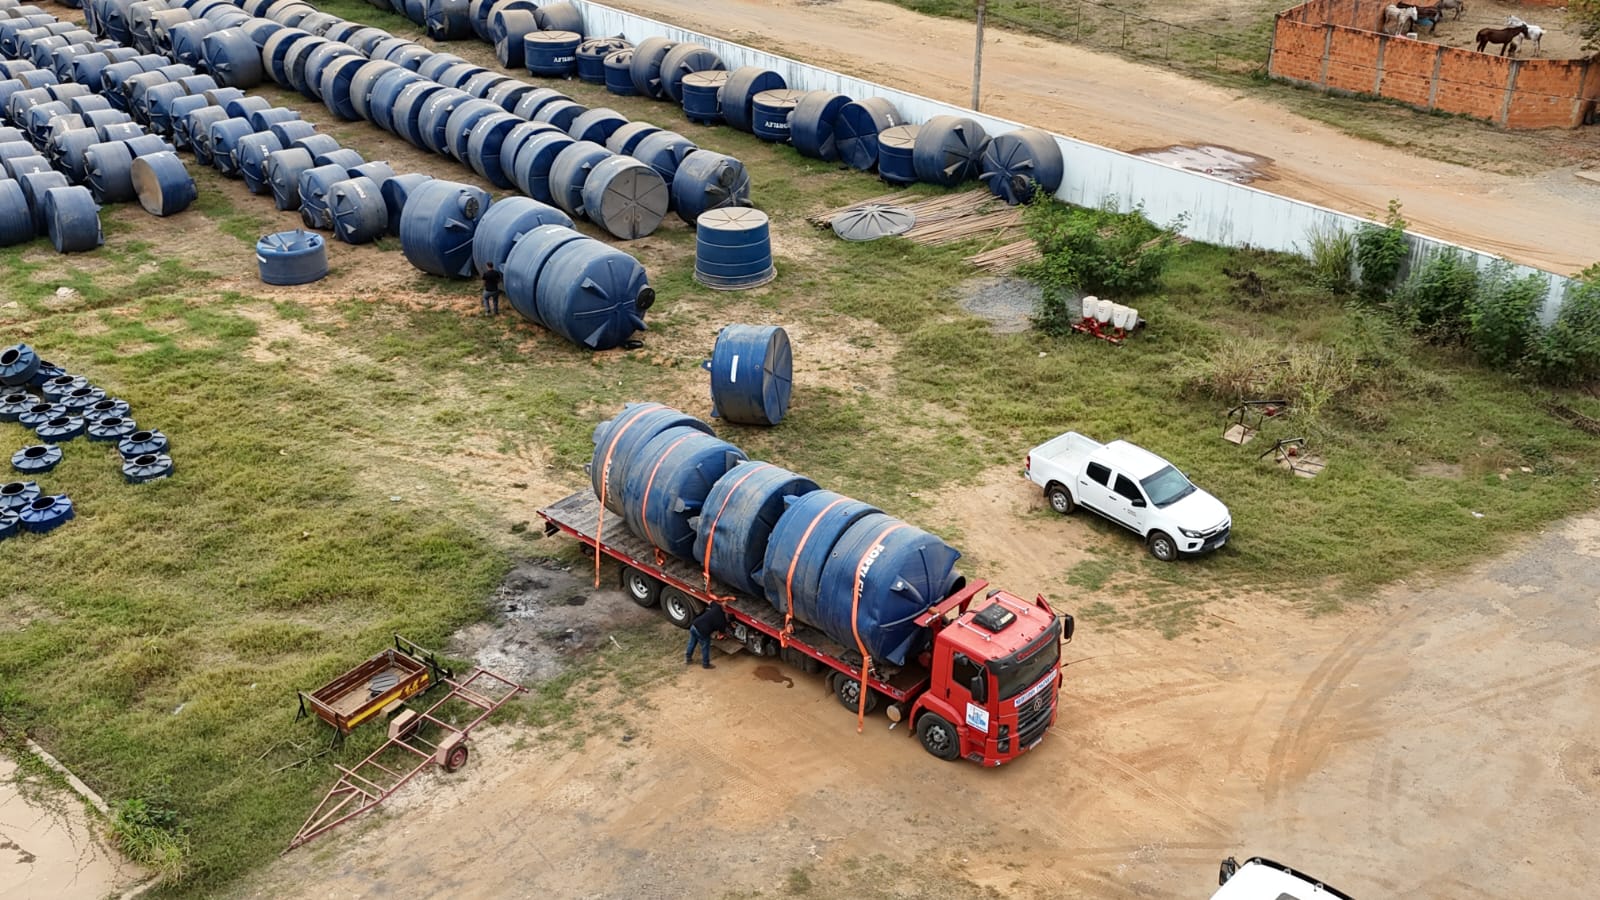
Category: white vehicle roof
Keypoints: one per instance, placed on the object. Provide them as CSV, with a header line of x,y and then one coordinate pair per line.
x,y
1261,879
1139,462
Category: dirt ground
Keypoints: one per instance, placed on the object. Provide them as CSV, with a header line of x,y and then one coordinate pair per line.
x,y
1441,743
1560,41
48,851
1543,219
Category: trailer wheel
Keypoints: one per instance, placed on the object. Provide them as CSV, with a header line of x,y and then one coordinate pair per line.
x,y
456,758
677,606
848,690
641,588
1060,499
938,736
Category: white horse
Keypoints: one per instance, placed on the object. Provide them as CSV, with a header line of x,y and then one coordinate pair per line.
x,y
1534,31
1396,20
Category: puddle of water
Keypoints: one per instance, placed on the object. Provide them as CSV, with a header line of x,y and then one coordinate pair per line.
x,y
1210,159
774,675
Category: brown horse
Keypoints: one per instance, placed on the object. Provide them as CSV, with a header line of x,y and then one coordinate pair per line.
x,y
1426,15
1502,36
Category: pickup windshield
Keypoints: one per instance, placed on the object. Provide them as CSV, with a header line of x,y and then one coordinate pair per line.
x,y
1167,487
1018,672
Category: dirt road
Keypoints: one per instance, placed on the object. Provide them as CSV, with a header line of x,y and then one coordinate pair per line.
x,y
1545,220
1441,744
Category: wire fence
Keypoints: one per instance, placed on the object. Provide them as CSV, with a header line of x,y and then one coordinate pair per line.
x,y
1106,27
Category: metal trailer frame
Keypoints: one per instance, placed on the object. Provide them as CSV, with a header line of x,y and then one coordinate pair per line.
x,y
369,782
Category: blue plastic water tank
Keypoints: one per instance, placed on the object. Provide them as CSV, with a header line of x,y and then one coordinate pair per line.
x,y
733,249
395,191
644,67
437,226
811,124
668,483
336,84
433,121
596,125
664,151
525,263
162,183
447,20
625,139
682,60
283,173
486,146
560,113
458,128
72,219
505,223
292,257
529,105
592,55
890,572
384,96
618,440
315,183
619,73
769,114
275,54
16,223
708,180
507,30
35,185
263,119
408,107
1018,163
744,83
737,519
625,197
593,295
519,134
897,154
752,373
357,208
225,138
187,41
560,16
232,58
553,54
798,548
702,96
252,151
108,170
855,130
570,170
948,150
531,168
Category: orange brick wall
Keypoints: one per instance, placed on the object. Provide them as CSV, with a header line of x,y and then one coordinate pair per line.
x,y
1315,44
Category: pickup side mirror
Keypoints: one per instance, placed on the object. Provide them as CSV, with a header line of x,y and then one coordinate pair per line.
x,y
1137,503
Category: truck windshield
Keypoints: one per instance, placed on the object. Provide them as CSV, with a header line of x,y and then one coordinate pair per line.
x,y
1018,672
1167,487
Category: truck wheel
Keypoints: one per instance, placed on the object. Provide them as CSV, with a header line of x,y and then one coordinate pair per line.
x,y
848,690
938,737
1060,499
641,588
1162,546
677,607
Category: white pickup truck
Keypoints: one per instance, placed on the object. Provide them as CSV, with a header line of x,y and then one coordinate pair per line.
x,y
1259,878
1132,487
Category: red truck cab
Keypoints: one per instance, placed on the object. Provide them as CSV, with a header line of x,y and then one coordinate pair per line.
x,y
994,672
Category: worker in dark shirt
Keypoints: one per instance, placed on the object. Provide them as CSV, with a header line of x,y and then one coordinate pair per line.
x,y
709,624
491,290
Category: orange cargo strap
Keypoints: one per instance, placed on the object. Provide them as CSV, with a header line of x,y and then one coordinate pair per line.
x,y
711,532
855,629
605,482
644,502
788,579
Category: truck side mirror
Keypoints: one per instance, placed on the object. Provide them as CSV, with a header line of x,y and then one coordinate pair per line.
x,y
1067,625
978,685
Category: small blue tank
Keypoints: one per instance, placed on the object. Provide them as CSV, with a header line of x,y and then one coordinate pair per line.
x,y
72,219
897,154
737,519
744,83
553,54
752,373
162,183
438,224
505,223
619,73
733,249
708,180
592,55
769,114
855,130
667,485
1018,163
702,96
811,124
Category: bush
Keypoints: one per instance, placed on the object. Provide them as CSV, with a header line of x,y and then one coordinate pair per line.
x,y
1380,251
1503,317
1092,251
1333,259
1569,350
147,831
1434,301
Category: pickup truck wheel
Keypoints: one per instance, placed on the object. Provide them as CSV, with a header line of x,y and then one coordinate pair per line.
x,y
848,690
938,737
641,588
1060,499
677,606
1162,546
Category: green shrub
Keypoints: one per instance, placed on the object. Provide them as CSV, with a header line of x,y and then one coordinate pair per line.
x,y
1502,318
1569,350
1333,259
1380,251
147,831
1092,251
1434,300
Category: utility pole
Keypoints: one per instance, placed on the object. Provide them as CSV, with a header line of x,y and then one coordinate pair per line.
x,y
977,57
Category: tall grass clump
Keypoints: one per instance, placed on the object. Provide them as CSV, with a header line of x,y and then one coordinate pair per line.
x,y
1333,259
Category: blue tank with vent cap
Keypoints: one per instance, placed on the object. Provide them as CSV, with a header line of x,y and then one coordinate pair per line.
x,y
737,520
667,485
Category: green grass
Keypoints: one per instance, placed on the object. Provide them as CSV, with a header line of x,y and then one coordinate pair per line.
x,y
155,643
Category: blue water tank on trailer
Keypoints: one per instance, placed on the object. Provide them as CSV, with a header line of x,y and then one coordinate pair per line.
x,y
163,184
668,484
525,264
733,249
740,91
618,440
438,224
1017,163
798,548
811,124
855,130
553,54
948,149
707,180
769,114
889,572
752,374
737,519
506,222
395,191
897,154
593,295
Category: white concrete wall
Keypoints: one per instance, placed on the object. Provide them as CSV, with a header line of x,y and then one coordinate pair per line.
x,y
1217,211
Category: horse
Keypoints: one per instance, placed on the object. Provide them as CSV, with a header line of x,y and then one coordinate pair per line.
x,y
1534,31
1501,36
1395,18
1458,5
1426,15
